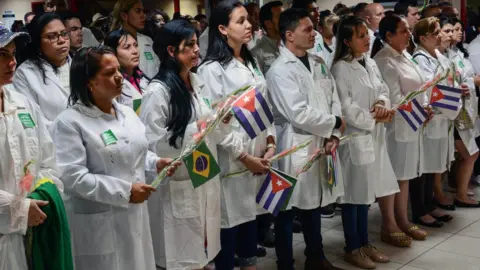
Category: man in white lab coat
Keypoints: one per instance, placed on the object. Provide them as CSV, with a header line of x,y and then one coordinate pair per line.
x,y
267,48
372,14
306,106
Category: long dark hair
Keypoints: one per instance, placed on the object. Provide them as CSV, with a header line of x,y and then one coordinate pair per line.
x,y
33,51
181,100
388,24
459,45
345,31
218,48
85,65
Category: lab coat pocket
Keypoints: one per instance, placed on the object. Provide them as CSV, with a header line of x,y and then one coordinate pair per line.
x,y
361,149
93,233
437,128
185,201
403,131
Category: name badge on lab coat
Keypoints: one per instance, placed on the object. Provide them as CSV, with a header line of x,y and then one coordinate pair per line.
x,y
109,137
26,120
149,56
460,64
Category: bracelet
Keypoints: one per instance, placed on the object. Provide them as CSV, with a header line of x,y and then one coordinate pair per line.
x,y
242,156
271,145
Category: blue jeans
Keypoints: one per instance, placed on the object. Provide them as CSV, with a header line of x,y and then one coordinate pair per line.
x,y
242,240
311,222
355,225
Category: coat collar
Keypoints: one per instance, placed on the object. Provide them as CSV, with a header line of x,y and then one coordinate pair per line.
x,y
94,111
196,81
12,100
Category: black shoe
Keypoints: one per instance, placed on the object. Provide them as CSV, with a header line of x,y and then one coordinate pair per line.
x,y
444,218
466,205
269,239
327,213
236,262
261,252
448,207
322,265
297,225
435,224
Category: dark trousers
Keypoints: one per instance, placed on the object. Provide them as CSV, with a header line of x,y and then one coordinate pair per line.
x,y
241,239
311,223
421,195
263,222
476,168
355,225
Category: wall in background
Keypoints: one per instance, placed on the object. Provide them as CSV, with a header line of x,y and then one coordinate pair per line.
x,y
19,7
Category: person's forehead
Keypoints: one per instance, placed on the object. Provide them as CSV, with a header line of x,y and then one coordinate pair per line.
x,y
73,22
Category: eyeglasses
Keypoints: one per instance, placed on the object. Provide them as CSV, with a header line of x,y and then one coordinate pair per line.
x,y
53,37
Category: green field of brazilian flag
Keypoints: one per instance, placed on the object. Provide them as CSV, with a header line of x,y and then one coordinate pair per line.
x,y
201,165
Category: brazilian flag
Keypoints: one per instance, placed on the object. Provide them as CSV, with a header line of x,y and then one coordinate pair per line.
x,y
201,165
136,105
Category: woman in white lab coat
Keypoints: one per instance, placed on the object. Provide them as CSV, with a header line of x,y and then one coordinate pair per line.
x,y
102,152
45,76
135,81
20,143
437,137
228,66
173,111
367,171
130,15
464,139
404,145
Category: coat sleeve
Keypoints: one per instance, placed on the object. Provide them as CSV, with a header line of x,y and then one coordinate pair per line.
x,y
355,115
428,70
13,213
72,161
48,166
293,105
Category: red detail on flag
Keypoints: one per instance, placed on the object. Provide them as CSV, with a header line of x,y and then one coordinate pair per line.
x,y
247,101
406,107
278,184
436,95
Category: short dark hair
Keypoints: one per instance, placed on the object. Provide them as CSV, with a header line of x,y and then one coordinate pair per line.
x,y
28,14
359,8
199,17
401,8
338,7
266,12
290,19
302,3
444,4
85,65
67,15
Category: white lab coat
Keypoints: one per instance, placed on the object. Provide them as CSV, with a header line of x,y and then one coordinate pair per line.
x,y
149,62
107,231
88,38
18,146
437,139
305,105
474,54
404,146
266,51
49,95
238,194
465,68
203,43
367,170
182,217
130,93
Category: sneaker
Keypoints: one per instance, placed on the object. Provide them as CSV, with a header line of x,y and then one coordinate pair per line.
x,y
269,239
359,259
327,212
375,254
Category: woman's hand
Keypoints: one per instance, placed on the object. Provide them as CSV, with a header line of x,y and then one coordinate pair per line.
x,y
476,80
331,144
35,215
255,164
140,192
270,153
163,162
430,114
379,111
465,90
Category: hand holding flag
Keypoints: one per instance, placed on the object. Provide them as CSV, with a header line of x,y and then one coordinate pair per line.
x,y
276,191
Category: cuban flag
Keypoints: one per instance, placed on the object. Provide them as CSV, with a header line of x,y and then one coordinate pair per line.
x,y
275,192
413,113
446,99
252,112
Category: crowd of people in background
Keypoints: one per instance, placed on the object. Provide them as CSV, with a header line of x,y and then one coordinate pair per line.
x,y
103,108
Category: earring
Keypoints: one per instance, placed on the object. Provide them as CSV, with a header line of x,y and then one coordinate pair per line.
x,y
349,56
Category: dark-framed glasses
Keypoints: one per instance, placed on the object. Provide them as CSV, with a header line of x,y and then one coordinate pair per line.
x,y
53,37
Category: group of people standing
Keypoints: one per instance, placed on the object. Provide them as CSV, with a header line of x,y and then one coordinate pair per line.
x,y
101,121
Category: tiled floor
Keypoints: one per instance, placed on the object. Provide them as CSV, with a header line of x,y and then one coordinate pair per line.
x,y
456,246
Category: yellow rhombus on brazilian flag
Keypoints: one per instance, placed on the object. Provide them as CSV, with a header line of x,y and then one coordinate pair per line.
x,y
201,165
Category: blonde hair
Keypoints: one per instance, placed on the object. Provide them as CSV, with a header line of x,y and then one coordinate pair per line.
x,y
122,6
424,27
331,19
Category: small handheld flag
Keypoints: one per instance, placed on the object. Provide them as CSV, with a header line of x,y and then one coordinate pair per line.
x,y
446,99
332,170
136,105
252,112
276,191
201,165
413,113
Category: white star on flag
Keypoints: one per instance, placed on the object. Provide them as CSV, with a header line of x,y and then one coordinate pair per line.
x,y
279,183
246,99
435,94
